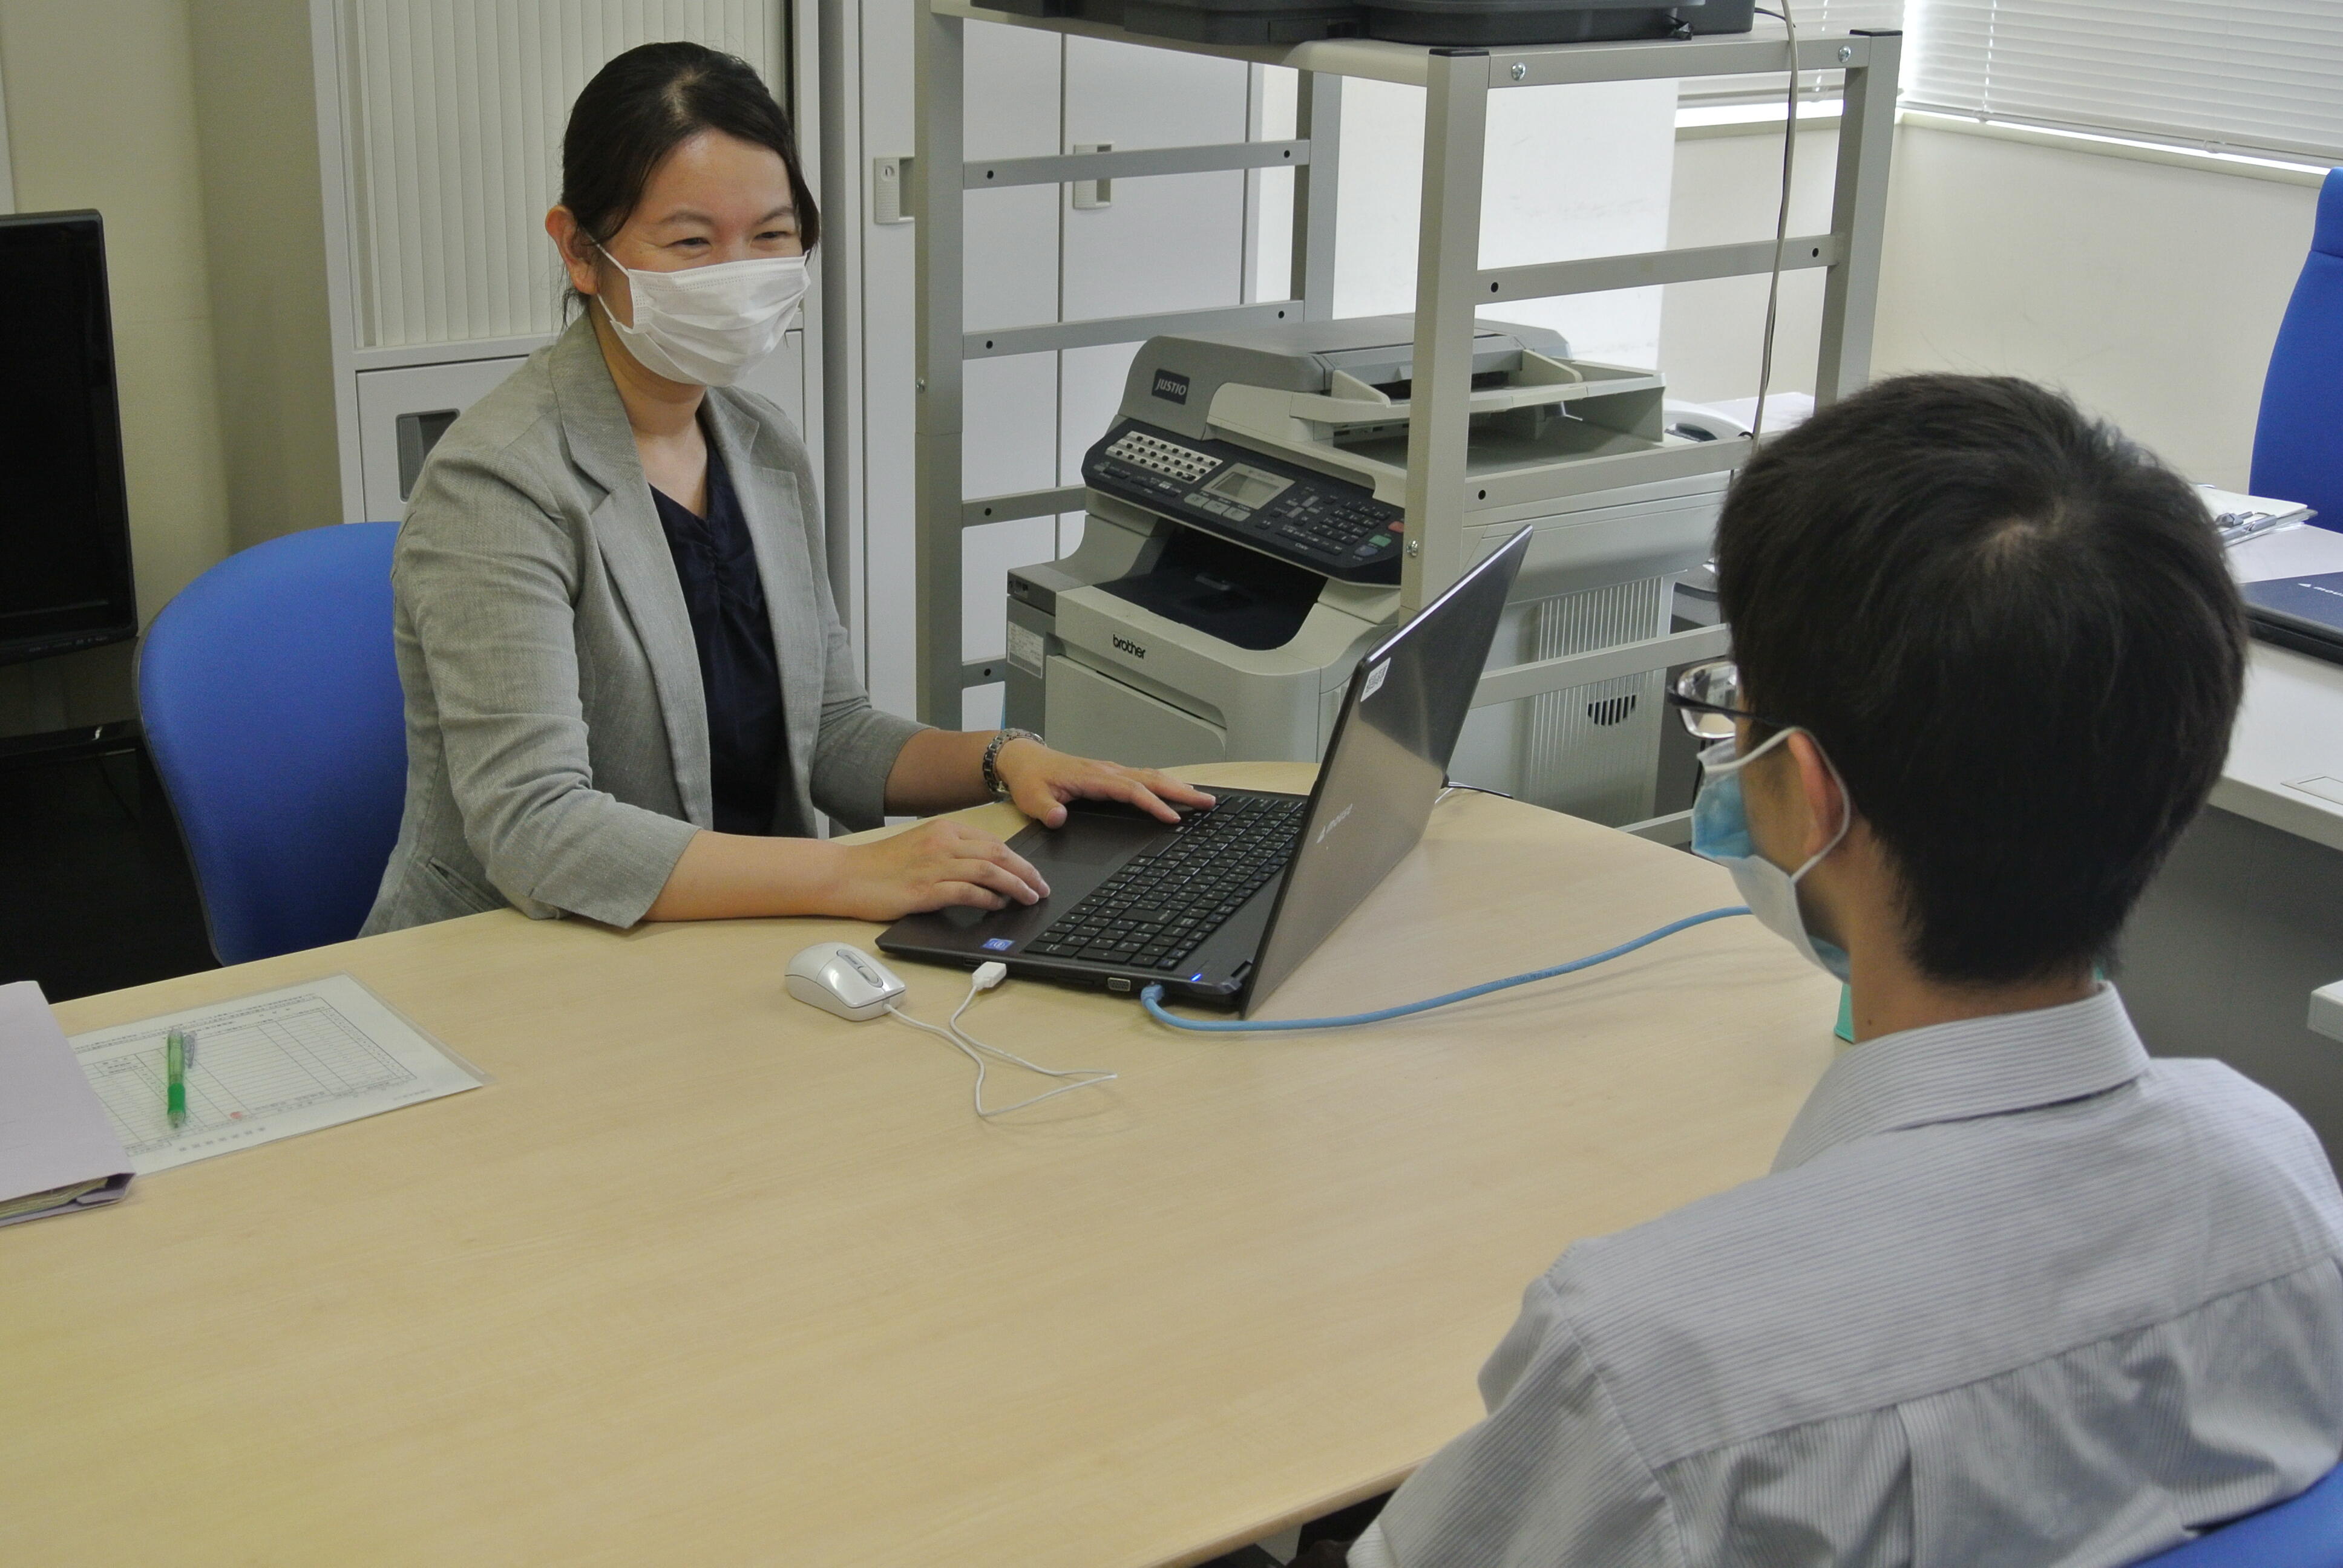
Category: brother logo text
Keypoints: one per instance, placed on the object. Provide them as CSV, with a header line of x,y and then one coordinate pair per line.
x,y
1130,647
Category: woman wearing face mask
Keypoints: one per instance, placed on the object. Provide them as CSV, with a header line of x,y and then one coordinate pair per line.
x,y
628,691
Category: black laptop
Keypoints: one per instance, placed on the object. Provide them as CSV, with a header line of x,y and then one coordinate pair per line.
x,y
2303,613
1222,908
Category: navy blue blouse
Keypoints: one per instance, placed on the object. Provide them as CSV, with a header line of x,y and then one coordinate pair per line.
x,y
716,564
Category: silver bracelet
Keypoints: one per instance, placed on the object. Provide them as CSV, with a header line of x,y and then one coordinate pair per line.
x,y
992,759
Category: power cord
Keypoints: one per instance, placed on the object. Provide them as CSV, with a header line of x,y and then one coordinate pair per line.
x,y
1152,998
986,976
1780,226
1452,786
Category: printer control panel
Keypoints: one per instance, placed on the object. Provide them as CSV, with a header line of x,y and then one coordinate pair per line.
x,y
1282,509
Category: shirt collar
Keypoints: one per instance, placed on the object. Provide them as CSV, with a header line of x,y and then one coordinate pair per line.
x,y
1977,1067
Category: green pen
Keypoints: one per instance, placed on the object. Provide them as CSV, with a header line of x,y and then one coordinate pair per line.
x,y
175,1056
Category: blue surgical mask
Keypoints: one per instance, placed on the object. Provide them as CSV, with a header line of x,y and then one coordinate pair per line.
x,y
1720,832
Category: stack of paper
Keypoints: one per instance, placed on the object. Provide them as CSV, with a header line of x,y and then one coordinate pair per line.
x,y
58,1153
2241,518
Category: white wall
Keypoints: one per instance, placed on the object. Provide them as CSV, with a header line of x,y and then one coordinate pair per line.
x,y
1729,188
1572,172
2150,292
257,122
102,113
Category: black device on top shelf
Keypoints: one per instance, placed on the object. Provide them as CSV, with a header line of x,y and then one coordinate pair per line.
x,y
1479,24
64,517
1495,23
1332,525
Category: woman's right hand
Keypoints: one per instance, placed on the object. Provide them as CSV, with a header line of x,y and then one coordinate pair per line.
x,y
931,866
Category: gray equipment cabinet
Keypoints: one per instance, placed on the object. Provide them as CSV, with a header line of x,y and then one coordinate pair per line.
x,y
1451,284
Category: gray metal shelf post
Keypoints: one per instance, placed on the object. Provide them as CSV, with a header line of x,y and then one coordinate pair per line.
x,y
938,131
1866,136
1318,121
1455,143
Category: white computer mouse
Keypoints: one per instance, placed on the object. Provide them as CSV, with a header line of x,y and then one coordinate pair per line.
x,y
839,978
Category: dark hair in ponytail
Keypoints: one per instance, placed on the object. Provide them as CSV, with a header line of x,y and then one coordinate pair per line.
x,y
648,102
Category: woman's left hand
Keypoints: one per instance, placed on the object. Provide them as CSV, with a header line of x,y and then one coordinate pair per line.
x,y
1041,782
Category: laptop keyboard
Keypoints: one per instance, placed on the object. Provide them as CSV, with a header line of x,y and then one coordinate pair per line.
x,y
1152,913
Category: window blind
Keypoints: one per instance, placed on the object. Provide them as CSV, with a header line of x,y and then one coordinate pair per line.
x,y
1839,15
2241,75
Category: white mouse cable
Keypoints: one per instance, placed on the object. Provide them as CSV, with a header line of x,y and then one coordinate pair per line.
x,y
988,976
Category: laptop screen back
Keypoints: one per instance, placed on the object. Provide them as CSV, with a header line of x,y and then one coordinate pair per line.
x,y
1386,762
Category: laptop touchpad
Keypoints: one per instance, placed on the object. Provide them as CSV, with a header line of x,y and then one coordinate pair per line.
x,y
1096,833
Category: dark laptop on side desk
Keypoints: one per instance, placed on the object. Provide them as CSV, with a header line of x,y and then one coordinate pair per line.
x,y
1223,908
2303,613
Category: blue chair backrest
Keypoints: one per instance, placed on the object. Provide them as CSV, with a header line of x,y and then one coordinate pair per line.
x,y
2304,1531
2299,444
270,697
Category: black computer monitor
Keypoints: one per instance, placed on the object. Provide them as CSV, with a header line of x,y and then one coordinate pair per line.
x,y
64,517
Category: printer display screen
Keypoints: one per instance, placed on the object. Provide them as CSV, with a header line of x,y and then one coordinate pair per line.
x,y
1244,487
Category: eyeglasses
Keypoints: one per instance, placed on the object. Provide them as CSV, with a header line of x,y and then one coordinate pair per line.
x,y
1707,697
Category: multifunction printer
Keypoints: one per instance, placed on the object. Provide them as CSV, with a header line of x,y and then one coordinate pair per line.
x,y
1244,537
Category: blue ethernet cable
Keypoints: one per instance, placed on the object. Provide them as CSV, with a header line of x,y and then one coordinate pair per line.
x,y
1152,998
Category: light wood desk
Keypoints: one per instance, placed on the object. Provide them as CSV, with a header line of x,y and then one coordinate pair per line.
x,y
707,1276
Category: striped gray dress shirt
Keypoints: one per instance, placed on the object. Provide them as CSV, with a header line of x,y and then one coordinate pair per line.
x,y
2012,1294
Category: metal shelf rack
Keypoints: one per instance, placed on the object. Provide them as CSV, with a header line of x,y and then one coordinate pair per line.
x,y
1450,283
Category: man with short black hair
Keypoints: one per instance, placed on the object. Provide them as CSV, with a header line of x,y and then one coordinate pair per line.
x,y
2013,1294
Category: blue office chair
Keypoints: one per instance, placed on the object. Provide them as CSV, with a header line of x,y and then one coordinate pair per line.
x,y
271,702
2304,1531
2298,444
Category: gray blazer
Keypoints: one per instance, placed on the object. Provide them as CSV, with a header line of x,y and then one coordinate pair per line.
x,y
556,735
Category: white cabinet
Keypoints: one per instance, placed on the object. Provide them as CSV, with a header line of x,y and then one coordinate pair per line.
x,y
440,128
403,411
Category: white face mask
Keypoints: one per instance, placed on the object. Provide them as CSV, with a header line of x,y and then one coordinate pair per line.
x,y
1720,832
710,326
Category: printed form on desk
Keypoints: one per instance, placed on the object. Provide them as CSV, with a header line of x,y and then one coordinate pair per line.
x,y
265,1066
